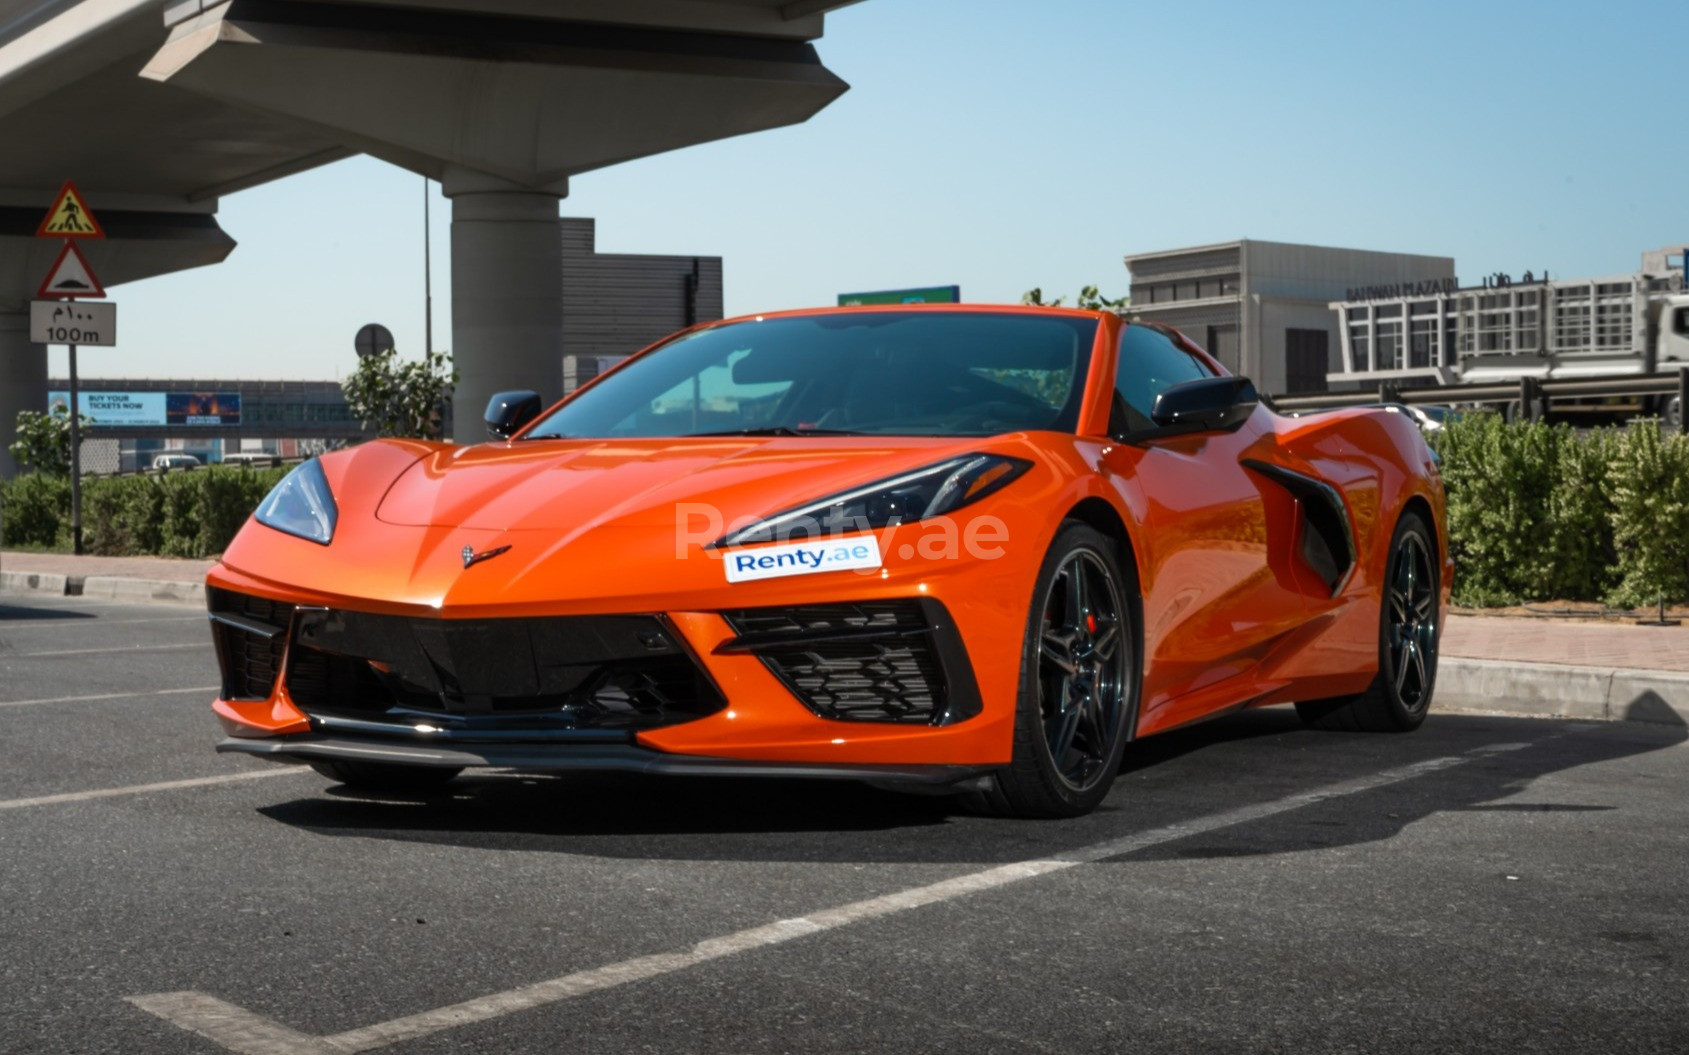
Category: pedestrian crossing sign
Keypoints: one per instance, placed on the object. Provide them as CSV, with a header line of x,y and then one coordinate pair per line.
x,y
69,217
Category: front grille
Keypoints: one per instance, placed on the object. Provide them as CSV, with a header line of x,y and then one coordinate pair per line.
x,y
881,661
495,678
250,634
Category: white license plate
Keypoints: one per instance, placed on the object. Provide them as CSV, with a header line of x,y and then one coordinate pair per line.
x,y
802,558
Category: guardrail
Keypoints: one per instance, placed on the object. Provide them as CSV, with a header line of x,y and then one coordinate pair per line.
x,y
1533,396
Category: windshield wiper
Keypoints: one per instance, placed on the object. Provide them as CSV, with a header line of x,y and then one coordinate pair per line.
x,y
779,430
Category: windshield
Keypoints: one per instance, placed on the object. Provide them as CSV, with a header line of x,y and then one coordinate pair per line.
x,y
880,373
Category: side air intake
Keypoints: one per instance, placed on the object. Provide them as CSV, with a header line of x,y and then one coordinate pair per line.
x,y
1327,540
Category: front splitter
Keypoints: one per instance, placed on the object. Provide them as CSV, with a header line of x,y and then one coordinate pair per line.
x,y
574,758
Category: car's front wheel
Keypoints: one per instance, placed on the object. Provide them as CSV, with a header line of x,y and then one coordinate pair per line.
x,y
386,776
1079,682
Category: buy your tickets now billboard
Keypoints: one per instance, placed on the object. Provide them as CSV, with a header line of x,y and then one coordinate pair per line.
x,y
154,408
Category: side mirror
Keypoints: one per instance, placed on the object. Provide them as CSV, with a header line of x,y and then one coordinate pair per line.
x,y
507,412
1207,405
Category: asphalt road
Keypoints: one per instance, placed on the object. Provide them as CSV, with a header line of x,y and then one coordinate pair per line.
x,y
1487,884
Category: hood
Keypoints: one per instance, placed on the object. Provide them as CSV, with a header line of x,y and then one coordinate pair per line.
x,y
570,486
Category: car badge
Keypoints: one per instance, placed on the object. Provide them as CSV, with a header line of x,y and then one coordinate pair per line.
x,y
471,558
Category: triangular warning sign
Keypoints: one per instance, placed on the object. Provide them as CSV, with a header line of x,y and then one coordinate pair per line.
x,y
71,277
69,217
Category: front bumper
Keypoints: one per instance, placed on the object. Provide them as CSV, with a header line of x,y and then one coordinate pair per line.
x,y
879,689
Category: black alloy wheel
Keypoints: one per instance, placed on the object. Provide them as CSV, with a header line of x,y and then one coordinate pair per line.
x,y
1409,627
1411,622
1079,683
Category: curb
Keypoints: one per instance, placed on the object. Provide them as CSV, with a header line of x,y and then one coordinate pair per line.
x,y
104,587
37,582
1554,690
151,591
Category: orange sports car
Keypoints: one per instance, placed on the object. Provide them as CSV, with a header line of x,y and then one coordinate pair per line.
x,y
974,548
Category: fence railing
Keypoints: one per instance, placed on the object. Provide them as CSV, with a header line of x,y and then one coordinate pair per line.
x,y
1534,397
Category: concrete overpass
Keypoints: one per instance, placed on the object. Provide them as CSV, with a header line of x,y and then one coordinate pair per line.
x,y
158,108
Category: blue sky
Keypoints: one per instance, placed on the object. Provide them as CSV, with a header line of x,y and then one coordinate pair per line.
x,y
1003,145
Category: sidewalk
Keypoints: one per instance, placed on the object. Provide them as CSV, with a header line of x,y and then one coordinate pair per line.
x,y
1565,667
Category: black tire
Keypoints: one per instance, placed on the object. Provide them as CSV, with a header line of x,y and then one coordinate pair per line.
x,y
386,776
1079,682
1409,626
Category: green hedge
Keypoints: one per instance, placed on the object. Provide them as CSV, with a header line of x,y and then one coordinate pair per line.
x,y
183,514
1539,512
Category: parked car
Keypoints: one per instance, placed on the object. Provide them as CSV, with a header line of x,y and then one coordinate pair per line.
x,y
253,459
969,548
1430,417
165,462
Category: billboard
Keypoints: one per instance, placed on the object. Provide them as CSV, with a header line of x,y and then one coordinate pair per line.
x,y
202,408
132,409
928,295
114,408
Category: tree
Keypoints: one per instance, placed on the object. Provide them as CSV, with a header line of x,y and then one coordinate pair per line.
x,y
1089,300
401,398
43,443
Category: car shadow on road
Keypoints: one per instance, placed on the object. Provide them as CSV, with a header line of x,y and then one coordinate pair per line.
x,y
1173,779
12,613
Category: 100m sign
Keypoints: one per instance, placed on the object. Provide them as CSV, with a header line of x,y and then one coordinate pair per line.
x,y
73,322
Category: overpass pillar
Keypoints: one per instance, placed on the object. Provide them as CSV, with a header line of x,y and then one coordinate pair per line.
x,y
507,296
23,380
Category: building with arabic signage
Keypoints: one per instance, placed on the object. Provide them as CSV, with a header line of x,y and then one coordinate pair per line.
x,y
1264,308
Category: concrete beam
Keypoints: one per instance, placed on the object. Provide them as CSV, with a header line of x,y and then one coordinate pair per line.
x,y
531,101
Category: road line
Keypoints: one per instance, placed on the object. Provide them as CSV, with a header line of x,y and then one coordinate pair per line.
x,y
147,789
108,696
231,1027
104,651
272,1038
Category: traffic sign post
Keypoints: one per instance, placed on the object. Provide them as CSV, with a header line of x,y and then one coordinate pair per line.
x,y
69,217
71,322
373,339
71,277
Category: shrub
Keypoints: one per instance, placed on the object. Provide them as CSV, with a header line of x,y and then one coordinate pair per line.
x,y
1650,489
36,509
192,514
123,516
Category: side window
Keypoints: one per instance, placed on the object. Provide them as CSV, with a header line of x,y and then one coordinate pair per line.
x,y
1680,321
1150,363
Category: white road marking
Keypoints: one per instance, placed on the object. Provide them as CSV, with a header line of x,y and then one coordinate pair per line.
x,y
248,1034
108,696
229,1026
147,789
105,651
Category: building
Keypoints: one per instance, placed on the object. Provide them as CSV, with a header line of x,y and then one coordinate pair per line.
x,y
1507,328
1264,308
616,304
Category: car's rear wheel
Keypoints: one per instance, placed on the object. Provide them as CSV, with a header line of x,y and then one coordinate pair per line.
x,y
1079,683
1408,625
386,776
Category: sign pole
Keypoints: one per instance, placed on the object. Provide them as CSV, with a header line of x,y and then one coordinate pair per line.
x,y
75,460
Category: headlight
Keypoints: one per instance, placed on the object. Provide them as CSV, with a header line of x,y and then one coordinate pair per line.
x,y
916,495
301,505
